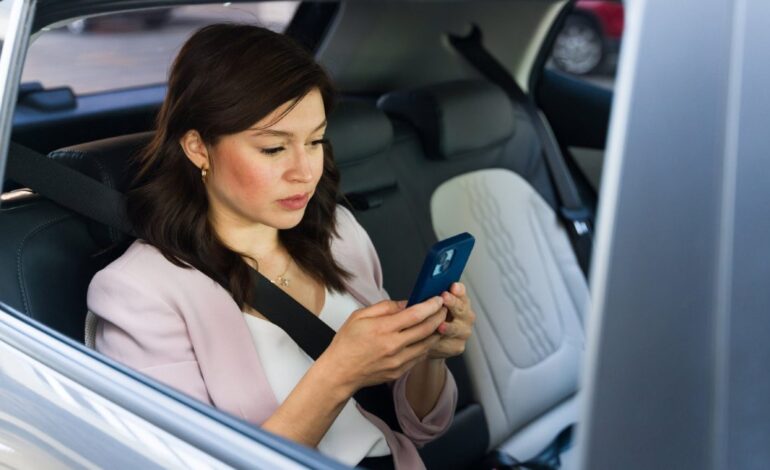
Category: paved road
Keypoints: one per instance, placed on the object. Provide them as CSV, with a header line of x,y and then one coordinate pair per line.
x,y
121,53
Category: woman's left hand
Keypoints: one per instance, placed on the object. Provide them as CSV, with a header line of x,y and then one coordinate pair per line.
x,y
457,328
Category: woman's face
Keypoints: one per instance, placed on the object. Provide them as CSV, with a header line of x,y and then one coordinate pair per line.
x,y
268,173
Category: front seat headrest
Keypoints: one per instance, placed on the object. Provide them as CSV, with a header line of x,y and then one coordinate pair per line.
x,y
109,161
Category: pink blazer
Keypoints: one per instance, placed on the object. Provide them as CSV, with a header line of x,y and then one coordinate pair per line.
x,y
180,327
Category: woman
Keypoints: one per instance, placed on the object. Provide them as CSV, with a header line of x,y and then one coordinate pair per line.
x,y
239,177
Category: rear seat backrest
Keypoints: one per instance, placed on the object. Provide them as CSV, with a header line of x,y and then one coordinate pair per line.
x,y
530,295
362,137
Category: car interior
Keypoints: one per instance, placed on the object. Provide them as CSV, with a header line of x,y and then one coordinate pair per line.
x,y
427,148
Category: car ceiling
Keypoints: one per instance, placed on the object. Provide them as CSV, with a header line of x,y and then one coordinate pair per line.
x,y
380,46
375,46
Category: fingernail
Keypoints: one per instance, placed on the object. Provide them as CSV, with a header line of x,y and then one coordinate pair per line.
x,y
442,328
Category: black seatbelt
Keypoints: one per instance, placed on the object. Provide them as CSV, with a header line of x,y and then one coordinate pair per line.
x,y
96,201
314,336
67,187
572,211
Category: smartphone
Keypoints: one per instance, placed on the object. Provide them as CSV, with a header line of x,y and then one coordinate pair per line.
x,y
442,266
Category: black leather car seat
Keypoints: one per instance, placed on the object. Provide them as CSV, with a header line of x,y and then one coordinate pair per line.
x,y
49,253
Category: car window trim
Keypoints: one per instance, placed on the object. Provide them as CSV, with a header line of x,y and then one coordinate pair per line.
x,y
12,56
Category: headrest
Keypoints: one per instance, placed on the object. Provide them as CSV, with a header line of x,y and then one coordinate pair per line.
x,y
108,161
357,130
454,118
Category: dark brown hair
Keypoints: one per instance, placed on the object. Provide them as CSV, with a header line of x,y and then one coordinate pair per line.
x,y
226,78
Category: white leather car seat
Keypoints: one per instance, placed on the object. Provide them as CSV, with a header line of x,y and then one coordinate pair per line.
x,y
530,298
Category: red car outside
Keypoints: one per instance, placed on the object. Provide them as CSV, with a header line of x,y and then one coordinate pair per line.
x,y
590,35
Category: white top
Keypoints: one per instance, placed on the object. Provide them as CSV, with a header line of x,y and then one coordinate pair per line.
x,y
351,437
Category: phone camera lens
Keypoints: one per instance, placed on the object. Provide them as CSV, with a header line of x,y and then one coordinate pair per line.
x,y
445,259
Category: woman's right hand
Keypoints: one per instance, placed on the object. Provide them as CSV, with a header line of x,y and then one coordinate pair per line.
x,y
380,343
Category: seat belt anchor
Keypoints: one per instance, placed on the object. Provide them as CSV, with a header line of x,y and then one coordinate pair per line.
x,y
579,220
581,227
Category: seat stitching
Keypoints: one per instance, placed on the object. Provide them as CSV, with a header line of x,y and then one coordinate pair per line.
x,y
476,200
532,216
512,274
515,281
531,310
19,266
498,387
572,260
484,322
487,216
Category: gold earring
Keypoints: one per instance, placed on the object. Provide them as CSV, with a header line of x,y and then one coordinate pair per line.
x,y
204,172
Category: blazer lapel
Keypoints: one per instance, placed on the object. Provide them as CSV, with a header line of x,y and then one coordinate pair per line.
x,y
226,354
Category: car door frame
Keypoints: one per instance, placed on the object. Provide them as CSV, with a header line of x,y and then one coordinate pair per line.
x,y
677,345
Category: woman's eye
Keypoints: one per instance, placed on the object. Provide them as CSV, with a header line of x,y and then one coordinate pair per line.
x,y
319,142
271,150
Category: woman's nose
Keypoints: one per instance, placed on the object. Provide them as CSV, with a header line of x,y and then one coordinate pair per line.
x,y
301,170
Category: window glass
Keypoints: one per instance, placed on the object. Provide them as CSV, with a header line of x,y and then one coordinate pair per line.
x,y
134,48
587,46
5,12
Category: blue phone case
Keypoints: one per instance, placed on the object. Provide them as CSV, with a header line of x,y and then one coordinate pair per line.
x,y
443,265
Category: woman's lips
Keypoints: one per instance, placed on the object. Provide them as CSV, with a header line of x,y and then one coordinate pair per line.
x,y
295,202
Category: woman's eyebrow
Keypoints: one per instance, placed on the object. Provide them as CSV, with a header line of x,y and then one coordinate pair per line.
x,y
278,133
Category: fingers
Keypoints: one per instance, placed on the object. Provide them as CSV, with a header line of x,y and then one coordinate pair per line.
x,y
457,301
424,329
406,357
386,307
458,289
462,316
417,351
455,329
415,314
